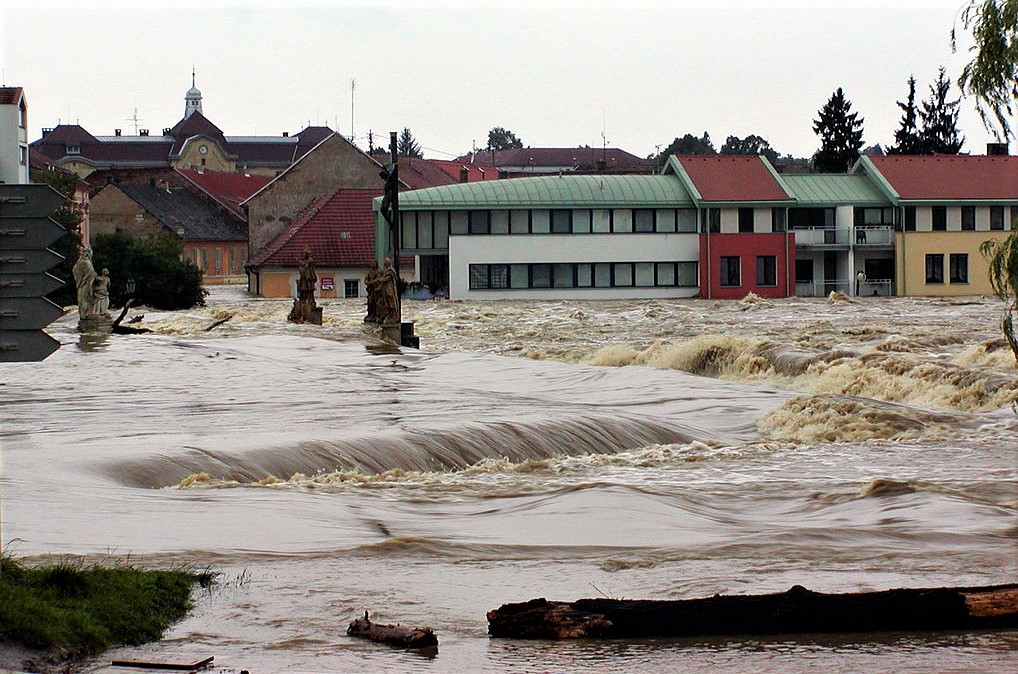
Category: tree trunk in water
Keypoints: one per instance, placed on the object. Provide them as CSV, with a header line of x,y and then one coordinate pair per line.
x,y
796,611
394,635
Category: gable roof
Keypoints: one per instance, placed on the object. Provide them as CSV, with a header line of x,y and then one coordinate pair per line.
x,y
339,228
728,178
555,157
10,95
945,177
554,191
184,213
228,189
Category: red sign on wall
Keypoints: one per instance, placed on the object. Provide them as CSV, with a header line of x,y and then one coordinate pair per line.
x,y
328,283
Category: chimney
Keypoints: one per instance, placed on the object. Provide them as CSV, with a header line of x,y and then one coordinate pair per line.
x,y
286,134
996,150
464,174
166,131
46,131
116,132
142,132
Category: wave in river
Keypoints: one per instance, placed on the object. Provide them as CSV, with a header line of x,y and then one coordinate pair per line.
x,y
976,382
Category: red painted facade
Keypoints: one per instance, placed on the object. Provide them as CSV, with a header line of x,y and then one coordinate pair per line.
x,y
747,248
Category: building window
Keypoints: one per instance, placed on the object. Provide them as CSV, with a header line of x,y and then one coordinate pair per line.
x,y
581,221
686,220
478,277
934,268
959,267
519,222
234,265
351,288
873,216
643,220
910,218
73,149
939,215
804,271
479,222
622,274
766,270
24,155
968,218
778,220
561,221
665,220
440,220
712,220
622,220
745,220
540,221
500,222
730,272
458,222
567,275
997,218
23,115
219,260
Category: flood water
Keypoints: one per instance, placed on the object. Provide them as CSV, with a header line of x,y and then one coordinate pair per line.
x,y
657,449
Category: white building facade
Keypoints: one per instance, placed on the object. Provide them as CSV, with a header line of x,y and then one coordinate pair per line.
x,y
13,136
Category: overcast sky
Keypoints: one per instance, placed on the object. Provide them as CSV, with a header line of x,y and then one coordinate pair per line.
x,y
558,74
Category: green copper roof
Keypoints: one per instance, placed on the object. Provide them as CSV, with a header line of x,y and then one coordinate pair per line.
x,y
553,191
834,189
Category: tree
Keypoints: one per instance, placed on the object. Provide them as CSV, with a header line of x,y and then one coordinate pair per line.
x,y
502,139
750,145
939,118
840,132
68,217
907,139
406,146
1002,256
992,74
163,279
687,145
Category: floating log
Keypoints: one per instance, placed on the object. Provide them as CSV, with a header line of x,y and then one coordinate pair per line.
x,y
394,635
796,611
173,666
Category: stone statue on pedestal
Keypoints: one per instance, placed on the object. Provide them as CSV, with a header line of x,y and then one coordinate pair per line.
x,y
304,305
84,278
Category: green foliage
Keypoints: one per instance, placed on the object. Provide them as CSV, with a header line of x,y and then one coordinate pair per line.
x,y
750,145
86,609
406,146
68,217
1002,256
840,132
163,279
502,139
687,145
907,139
992,74
939,118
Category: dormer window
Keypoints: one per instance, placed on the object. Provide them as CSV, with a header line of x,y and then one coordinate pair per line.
x,y
73,149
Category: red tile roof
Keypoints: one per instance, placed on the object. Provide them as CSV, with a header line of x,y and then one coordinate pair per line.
x,y
9,95
229,189
943,177
732,178
339,228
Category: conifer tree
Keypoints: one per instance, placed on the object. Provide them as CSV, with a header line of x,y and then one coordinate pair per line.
x,y
406,146
840,132
906,138
939,119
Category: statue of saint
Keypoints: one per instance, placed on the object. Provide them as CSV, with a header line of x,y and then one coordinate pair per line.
x,y
84,278
304,304
101,293
386,285
369,282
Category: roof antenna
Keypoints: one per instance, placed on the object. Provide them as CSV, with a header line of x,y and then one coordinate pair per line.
x,y
353,84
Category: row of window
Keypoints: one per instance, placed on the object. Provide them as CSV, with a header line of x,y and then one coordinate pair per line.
x,y
766,271
958,267
938,218
431,229
233,264
583,275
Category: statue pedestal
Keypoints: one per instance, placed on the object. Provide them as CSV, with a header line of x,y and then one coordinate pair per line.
x,y
392,331
316,316
95,325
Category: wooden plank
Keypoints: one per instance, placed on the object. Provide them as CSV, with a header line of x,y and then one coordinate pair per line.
x,y
174,666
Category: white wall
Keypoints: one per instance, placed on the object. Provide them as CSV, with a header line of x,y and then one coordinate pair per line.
x,y
519,249
12,139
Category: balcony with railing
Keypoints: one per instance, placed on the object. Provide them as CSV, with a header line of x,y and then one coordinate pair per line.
x,y
868,288
868,236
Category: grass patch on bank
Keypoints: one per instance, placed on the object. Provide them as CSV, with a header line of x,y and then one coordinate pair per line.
x,y
85,609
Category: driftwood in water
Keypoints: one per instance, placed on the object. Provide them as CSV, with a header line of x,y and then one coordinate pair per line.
x,y
119,329
394,635
796,611
216,323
